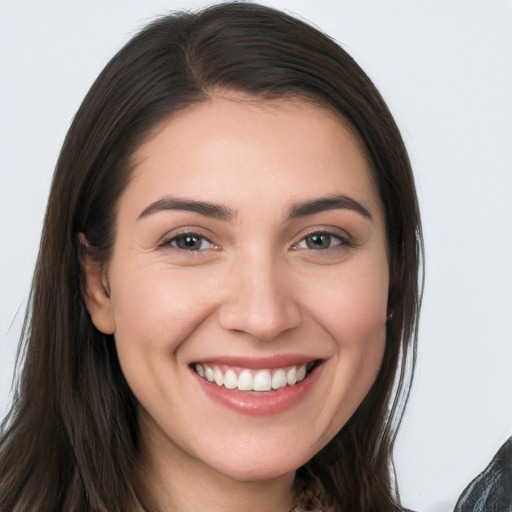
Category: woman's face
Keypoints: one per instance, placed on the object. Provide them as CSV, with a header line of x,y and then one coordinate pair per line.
x,y
250,249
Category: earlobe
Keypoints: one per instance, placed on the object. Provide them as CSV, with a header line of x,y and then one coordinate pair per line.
x,y
96,290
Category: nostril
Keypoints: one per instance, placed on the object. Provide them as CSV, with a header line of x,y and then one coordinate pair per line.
x,y
264,322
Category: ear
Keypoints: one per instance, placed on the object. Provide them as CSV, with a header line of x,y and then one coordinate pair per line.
x,y
96,290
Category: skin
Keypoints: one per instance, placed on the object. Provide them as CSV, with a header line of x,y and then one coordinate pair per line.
x,y
254,288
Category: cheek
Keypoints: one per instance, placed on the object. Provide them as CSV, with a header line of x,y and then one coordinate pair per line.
x,y
360,343
353,312
156,309
353,306
360,331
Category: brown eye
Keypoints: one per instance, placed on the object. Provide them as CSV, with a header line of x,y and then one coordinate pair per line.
x,y
191,242
188,242
323,241
319,241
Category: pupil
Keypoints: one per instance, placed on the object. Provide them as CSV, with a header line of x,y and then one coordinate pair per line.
x,y
319,241
190,242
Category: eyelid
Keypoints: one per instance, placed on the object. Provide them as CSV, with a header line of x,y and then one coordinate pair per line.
x,y
345,239
167,239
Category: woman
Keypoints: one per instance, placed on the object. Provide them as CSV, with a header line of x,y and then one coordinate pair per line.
x,y
226,296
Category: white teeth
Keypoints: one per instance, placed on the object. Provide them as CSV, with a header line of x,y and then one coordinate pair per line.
x,y
291,376
252,380
230,379
279,379
208,372
245,381
218,376
262,381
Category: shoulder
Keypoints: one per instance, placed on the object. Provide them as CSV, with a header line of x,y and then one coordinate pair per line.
x,y
492,489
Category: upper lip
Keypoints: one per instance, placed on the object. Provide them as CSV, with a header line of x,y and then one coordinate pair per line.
x,y
258,363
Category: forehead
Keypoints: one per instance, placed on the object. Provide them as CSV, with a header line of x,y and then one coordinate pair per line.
x,y
292,144
234,109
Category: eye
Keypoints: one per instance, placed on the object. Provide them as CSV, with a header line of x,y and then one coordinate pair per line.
x,y
319,241
190,242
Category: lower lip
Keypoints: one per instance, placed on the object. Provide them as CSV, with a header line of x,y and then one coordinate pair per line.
x,y
260,403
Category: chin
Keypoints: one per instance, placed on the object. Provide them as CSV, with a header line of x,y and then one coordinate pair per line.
x,y
259,473
256,468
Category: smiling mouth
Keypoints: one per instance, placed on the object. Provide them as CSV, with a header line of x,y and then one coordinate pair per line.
x,y
245,379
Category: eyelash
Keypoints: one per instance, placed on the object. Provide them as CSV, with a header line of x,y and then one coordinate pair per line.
x,y
173,241
327,236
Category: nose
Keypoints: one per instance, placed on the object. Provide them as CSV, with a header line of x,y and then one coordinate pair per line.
x,y
259,301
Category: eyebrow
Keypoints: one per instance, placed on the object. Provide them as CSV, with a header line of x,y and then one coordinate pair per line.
x,y
332,202
222,212
215,211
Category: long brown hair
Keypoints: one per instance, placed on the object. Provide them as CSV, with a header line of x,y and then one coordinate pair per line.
x,y
70,440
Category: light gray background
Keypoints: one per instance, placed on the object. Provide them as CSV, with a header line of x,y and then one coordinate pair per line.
x,y
445,68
